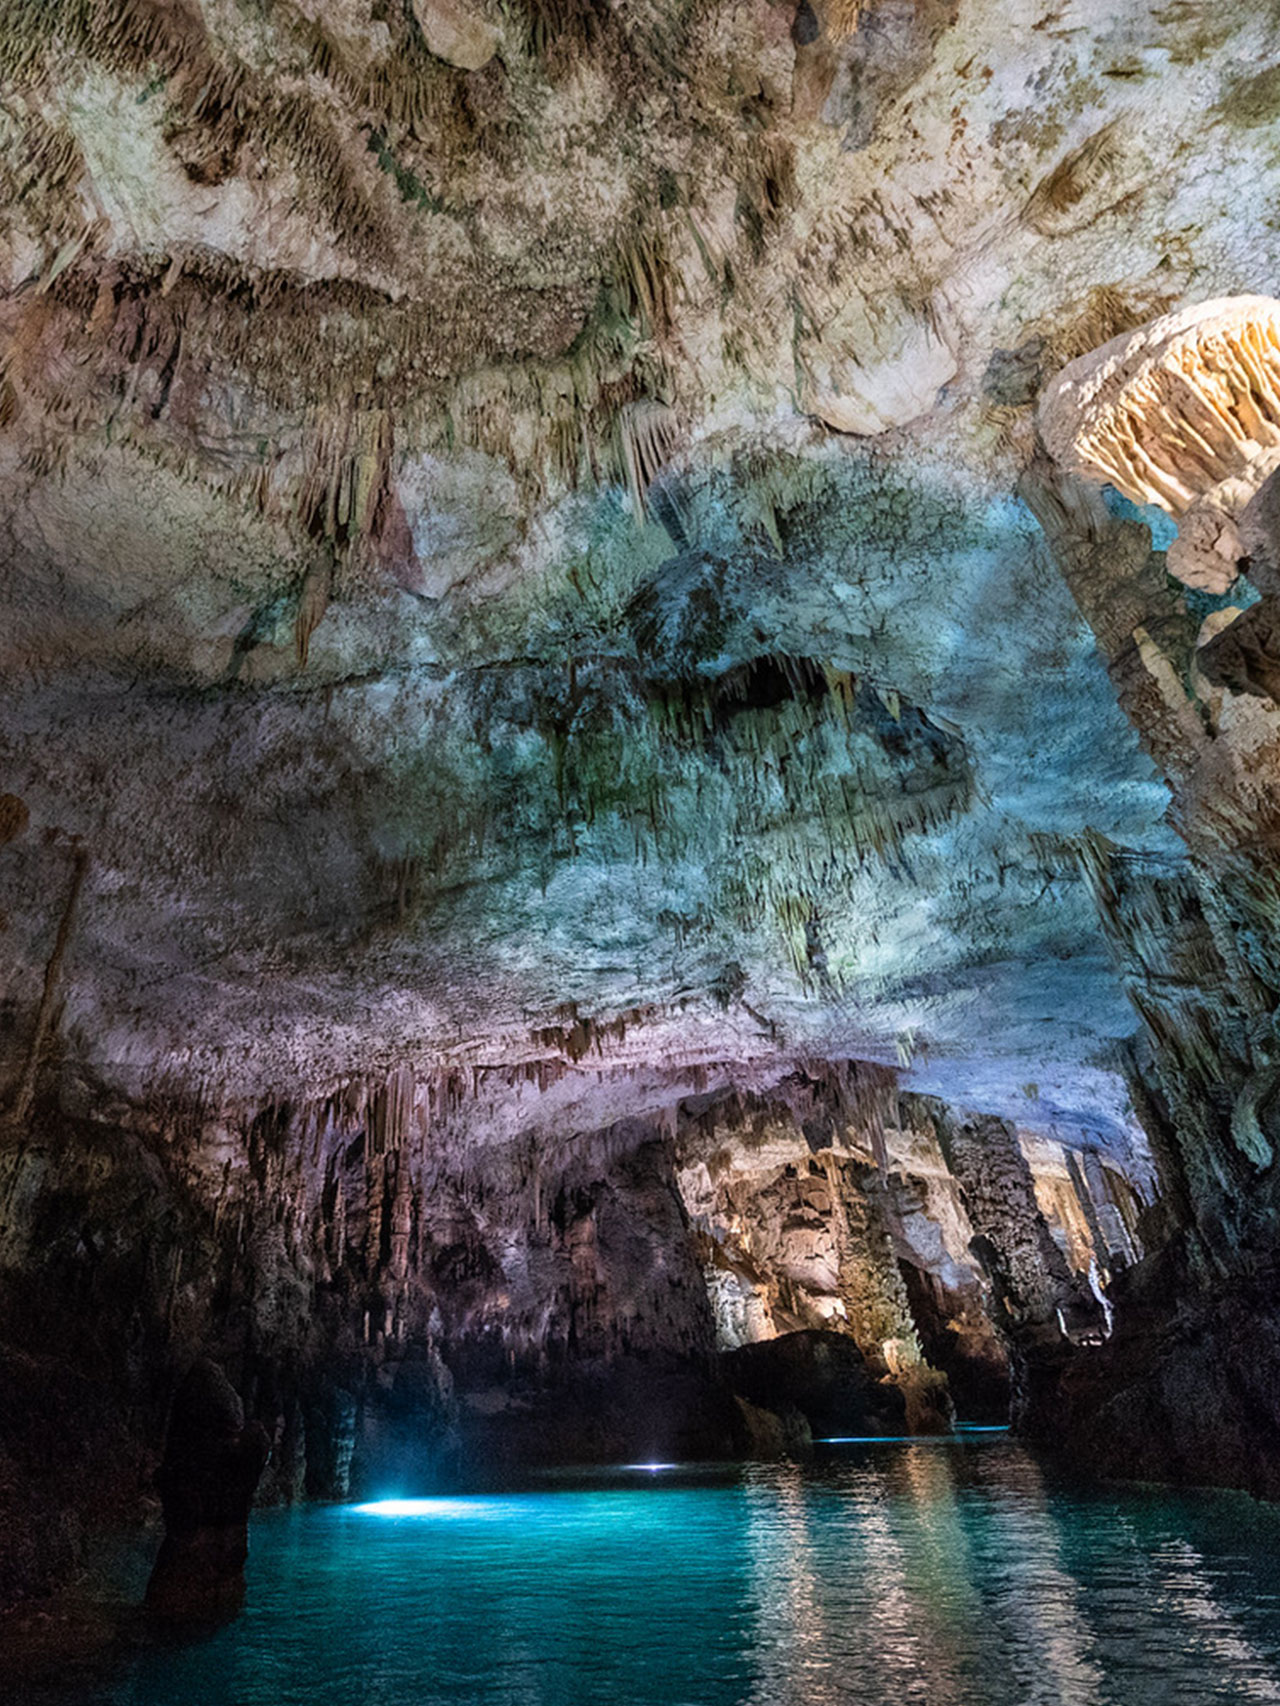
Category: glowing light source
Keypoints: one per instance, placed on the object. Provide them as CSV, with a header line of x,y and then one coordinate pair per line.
x,y
910,1439
871,1439
426,1507
651,1468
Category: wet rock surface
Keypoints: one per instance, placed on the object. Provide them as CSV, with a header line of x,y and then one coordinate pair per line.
x,y
207,1479
1187,1394
582,803
396,1314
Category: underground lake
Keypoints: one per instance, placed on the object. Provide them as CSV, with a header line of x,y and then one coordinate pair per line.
x,y
949,1573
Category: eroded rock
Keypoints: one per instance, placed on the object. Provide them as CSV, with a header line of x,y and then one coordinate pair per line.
x,y
825,1376
457,32
212,1463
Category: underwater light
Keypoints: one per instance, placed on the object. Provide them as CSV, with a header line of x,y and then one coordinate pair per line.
x,y
871,1439
911,1439
423,1507
650,1468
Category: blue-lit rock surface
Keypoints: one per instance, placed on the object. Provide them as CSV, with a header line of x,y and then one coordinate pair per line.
x,y
580,796
745,801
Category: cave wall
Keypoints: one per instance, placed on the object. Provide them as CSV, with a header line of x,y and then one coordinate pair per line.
x,y
401,1310
510,575
393,1316
1188,1386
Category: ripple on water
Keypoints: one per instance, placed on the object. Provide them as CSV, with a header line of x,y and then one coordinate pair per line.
x,y
951,1574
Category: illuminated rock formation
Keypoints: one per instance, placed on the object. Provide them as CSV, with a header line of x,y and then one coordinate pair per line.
x,y
535,629
1192,941
401,1296
1172,411
1184,413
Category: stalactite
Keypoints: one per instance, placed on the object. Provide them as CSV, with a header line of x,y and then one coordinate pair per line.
x,y
19,1108
313,601
647,436
391,1110
401,1219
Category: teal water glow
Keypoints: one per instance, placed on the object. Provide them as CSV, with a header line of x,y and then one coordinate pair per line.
x,y
939,1573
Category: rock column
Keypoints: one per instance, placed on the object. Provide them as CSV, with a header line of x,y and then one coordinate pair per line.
x,y
212,1463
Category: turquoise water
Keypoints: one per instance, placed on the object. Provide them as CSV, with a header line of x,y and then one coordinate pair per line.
x,y
952,1574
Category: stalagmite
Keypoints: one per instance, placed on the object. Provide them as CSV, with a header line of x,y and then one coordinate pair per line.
x,y
207,1479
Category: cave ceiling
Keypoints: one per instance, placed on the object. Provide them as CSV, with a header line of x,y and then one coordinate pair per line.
x,y
510,546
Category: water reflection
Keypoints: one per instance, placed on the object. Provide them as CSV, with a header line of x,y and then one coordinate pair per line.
x,y
886,1566
940,1573
1188,1592
1037,1606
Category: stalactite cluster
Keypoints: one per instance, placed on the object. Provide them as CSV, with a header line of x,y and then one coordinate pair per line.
x,y
624,821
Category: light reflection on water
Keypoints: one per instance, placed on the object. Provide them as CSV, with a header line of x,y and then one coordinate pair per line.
x,y
942,1573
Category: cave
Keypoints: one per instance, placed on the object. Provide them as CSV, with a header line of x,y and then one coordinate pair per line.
x,y
639,852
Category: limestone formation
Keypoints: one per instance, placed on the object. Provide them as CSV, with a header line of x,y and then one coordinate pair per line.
x,y
873,368
580,794
457,33
1183,413
1171,411
212,1462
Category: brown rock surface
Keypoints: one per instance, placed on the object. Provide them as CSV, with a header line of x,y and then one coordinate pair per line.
x,y
536,629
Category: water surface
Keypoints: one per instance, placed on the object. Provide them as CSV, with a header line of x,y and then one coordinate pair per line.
x,y
946,1573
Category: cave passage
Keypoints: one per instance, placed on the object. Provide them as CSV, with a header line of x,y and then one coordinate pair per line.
x,y
639,828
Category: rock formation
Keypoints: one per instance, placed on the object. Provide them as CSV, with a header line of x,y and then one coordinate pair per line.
x,y
207,1478
1184,413
401,1306
611,767
1193,944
